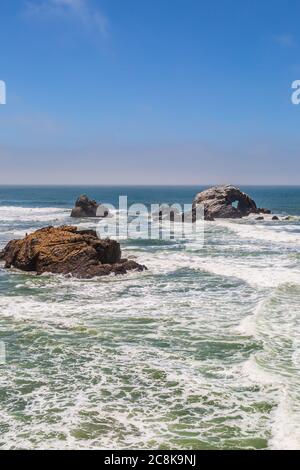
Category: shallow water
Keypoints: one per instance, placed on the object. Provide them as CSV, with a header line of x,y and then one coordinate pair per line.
x,y
199,352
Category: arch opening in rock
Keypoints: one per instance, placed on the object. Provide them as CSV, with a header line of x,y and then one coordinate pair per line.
x,y
225,202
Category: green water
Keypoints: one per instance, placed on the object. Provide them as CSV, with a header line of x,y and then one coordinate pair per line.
x,y
199,352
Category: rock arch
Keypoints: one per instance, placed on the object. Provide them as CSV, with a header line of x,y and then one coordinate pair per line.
x,y
225,202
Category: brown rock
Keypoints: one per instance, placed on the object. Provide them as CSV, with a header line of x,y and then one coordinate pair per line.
x,y
65,250
218,202
85,207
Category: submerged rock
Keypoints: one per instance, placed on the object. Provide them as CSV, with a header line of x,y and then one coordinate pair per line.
x,y
65,250
225,202
86,207
275,217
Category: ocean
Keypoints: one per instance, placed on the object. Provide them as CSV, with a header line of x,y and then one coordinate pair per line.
x,y
202,351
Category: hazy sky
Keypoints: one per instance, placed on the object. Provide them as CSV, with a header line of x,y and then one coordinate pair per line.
x,y
149,91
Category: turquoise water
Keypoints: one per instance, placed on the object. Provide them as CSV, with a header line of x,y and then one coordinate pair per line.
x,y
199,352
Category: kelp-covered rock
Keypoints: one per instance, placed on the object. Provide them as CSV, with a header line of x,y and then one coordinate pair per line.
x,y
65,250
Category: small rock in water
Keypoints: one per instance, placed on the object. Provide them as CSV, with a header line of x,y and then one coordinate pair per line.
x,y
86,207
262,210
168,213
275,217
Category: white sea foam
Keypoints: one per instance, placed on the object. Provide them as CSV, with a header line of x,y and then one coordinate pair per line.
x,y
32,214
247,326
165,358
259,273
259,231
256,276
285,423
276,325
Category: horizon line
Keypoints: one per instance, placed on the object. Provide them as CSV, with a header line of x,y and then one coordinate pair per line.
x,y
70,185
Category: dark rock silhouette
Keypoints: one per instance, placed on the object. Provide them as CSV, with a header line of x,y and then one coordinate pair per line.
x,y
86,207
166,212
263,211
65,250
225,202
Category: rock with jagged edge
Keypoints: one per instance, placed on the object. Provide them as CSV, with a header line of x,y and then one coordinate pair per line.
x,y
66,250
226,201
86,207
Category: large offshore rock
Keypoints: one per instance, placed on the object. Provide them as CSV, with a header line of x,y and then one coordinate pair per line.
x,y
86,207
65,250
226,202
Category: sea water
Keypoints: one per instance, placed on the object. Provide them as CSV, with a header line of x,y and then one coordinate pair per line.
x,y
202,351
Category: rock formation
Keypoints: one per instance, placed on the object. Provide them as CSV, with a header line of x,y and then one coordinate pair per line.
x,y
225,202
263,211
85,207
65,250
168,213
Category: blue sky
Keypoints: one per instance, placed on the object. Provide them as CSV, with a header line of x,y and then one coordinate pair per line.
x,y
149,91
